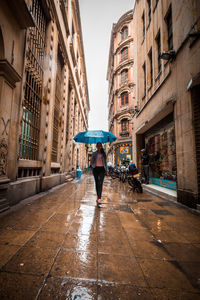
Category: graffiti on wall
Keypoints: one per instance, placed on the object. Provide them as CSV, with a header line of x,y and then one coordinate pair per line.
x,y
3,157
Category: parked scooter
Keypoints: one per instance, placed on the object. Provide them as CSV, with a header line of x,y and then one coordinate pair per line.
x,y
114,172
134,180
123,173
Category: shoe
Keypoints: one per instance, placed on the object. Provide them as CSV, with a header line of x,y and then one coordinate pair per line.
x,y
99,201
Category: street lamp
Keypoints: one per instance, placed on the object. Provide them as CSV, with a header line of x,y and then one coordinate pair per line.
x,y
136,110
168,55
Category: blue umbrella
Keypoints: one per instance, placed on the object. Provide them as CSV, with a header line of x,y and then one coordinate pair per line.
x,y
95,136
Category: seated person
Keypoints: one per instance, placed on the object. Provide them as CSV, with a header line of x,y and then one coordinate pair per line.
x,y
132,168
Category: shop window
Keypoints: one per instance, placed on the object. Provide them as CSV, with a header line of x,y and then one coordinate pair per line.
x,y
124,98
124,33
124,54
160,143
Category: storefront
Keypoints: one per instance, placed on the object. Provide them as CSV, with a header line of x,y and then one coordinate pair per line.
x,y
123,153
160,144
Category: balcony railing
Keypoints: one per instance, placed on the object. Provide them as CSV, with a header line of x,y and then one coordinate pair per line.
x,y
123,83
124,133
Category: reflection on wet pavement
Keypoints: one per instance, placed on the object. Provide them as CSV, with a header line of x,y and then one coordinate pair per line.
x,y
135,246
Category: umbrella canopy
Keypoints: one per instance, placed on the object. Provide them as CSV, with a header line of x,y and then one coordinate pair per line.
x,y
95,136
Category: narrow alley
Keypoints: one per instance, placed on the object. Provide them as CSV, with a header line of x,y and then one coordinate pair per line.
x,y
59,245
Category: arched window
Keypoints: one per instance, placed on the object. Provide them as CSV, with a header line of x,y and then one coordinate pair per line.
x,y
124,33
124,54
124,98
124,125
124,76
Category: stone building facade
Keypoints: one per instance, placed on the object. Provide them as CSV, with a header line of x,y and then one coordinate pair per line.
x,y
167,122
166,107
121,88
43,96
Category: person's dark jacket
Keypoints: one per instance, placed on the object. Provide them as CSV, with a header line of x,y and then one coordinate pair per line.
x,y
145,159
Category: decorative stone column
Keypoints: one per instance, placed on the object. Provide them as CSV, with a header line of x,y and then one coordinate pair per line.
x,y
50,84
71,128
8,79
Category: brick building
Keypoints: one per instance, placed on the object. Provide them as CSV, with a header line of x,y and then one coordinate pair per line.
x,y
121,88
166,118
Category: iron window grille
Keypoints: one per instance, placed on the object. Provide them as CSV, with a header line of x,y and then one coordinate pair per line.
x,y
29,145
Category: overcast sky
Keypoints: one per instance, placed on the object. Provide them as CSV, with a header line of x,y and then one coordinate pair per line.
x,y
97,17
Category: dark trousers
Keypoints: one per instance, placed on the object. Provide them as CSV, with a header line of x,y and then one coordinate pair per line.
x,y
99,173
146,173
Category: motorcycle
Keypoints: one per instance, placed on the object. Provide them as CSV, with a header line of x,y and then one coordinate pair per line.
x,y
123,173
134,181
114,172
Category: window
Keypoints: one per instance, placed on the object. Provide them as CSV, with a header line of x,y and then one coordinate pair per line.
x,y
150,67
143,25
149,10
158,51
124,98
124,125
29,145
124,33
124,54
145,82
124,76
168,21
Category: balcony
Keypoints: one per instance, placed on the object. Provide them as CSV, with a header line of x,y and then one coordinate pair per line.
x,y
123,83
124,134
22,13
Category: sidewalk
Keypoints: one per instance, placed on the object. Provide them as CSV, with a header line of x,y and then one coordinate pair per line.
x,y
160,191
136,246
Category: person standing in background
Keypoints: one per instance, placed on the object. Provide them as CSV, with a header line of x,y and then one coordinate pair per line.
x,y
145,165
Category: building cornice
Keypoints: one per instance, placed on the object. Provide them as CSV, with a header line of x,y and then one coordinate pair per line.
x,y
127,111
9,73
123,44
22,13
123,64
128,16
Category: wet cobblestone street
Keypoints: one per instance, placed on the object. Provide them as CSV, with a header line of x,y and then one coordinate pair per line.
x,y
59,245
